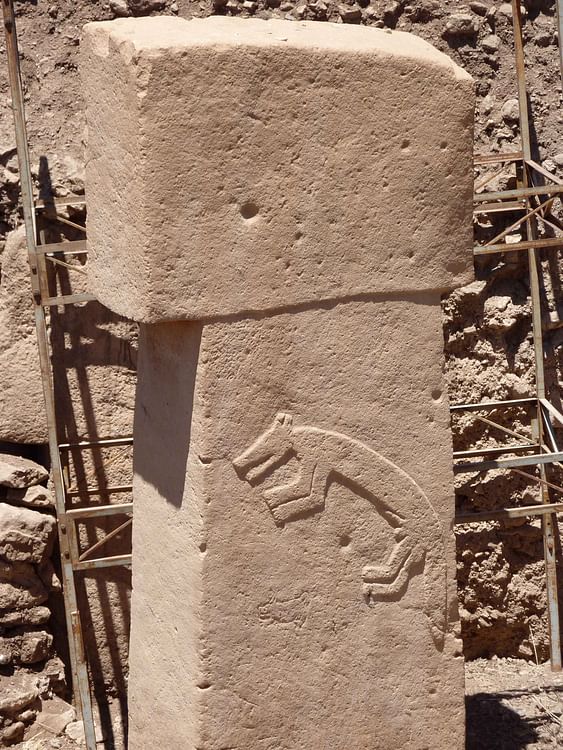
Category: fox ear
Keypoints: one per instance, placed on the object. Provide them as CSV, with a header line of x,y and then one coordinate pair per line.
x,y
284,419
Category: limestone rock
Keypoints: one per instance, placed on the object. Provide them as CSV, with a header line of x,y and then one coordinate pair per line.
x,y
491,44
18,472
501,313
119,8
17,692
510,111
22,410
481,9
75,730
461,25
25,535
53,677
31,616
26,646
54,715
13,734
46,573
32,497
20,586
350,13
138,7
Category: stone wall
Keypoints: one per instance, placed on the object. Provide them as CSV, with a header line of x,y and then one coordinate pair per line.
x,y
31,675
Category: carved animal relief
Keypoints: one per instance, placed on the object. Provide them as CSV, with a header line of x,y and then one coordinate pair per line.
x,y
325,457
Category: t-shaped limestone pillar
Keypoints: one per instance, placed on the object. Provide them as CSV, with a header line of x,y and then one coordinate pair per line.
x,y
281,205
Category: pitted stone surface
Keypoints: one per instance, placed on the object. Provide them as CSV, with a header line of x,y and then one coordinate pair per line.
x,y
249,165
25,535
19,472
298,197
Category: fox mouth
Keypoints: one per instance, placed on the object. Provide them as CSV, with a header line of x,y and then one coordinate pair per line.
x,y
253,470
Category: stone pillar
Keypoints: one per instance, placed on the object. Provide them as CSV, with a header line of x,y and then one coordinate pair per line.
x,y
281,206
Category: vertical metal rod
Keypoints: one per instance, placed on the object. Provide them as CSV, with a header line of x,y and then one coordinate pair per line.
x,y
76,646
521,79
548,521
559,4
549,528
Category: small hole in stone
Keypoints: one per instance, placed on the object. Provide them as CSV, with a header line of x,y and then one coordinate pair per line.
x,y
436,394
345,540
203,547
248,210
444,145
204,685
405,144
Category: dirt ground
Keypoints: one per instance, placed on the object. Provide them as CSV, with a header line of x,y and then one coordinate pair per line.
x,y
513,704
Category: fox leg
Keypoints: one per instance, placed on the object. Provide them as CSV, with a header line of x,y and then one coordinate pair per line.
x,y
388,580
388,571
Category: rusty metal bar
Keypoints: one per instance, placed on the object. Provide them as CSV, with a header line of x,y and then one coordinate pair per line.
x,y
70,200
501,427
538,168
495,450
99,490
524,192
538,479
100,443
490,405
541,509
69,266
76,646
68,299
518,222
548,520
73,247
559,6
103,562
100,511
491,208
106,538
508,463
552,410
511,247
57,218
481,159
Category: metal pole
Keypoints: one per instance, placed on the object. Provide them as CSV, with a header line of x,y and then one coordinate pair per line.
x,y
560,38
549,520
76,646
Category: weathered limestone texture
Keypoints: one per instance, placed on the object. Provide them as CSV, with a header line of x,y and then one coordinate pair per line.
x,y
282,204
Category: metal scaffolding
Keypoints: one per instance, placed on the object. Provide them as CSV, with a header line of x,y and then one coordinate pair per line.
x,y
75,556
532,201
533,198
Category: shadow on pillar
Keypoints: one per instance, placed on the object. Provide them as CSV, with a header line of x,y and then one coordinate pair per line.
x,y
90,345
165,402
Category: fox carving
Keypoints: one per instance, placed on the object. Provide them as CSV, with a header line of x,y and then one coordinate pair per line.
x,y
325,457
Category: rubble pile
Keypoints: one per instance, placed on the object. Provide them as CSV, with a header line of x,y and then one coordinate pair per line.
x,y
32,677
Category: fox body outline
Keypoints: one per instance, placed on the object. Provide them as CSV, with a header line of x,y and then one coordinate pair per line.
x,y
325,457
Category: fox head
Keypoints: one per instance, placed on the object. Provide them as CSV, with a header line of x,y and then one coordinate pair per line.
x,y
267,450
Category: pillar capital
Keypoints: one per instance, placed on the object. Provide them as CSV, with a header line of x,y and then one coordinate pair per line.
x,y
243,165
